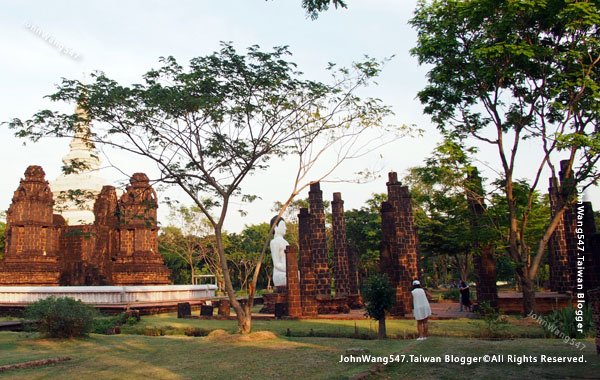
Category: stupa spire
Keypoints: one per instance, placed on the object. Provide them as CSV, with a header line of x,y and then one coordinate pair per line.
x,y
77,188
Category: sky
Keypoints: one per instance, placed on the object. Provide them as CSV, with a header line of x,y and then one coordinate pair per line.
x,y
42,42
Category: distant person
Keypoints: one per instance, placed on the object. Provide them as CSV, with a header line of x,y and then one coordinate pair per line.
x,y
465,296
421,309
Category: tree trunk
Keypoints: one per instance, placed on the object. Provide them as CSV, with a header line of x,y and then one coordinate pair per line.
x,y
245,323
528,289
381,332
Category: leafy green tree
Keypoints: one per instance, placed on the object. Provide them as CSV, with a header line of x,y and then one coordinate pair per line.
x,y
379,296
169,239
363,231
314,7
507,71
224,118
186,239
243,252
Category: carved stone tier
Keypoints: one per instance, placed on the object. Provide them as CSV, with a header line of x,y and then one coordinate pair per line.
x,y
32,237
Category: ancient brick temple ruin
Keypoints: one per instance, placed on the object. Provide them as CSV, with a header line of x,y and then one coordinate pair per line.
x,y
565,247
119,248
314,285
399,254
318,285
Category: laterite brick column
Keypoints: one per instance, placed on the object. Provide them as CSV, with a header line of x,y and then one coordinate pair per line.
x,y
307,268
563,243
340,247
318,243
404,255
560,277
484,261
293,282
591,273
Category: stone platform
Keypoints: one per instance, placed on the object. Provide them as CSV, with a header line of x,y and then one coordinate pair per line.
x,y
545,302
148,299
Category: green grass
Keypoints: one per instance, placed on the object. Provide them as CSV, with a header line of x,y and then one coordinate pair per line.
x,y
403,328
181,357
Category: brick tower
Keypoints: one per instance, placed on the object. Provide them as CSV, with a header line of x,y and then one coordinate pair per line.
x,y
137,260
399,243
32,234
341,268
318,243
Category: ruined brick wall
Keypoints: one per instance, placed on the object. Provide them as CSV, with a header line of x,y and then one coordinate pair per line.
x,y
318,240
32,237
307,268
294,305
341,268
42,250
562,246
137,260
591,253
400,238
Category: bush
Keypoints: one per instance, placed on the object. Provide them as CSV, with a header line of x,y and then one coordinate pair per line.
x,y
452,294
494,322
564,320
61,317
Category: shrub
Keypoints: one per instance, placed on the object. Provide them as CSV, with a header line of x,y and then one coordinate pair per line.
x,y
494,322
61,317
452,294
565,321
379,296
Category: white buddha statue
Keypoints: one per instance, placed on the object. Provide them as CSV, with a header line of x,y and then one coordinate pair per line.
x,y
278,246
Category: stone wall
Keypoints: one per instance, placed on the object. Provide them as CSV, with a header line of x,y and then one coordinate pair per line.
x,y
341,270
120,248
318,239
399,257
32,234
307,267
294,307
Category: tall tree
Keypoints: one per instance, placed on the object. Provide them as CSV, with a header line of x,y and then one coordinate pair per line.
x,y
187,240
508,71
209,127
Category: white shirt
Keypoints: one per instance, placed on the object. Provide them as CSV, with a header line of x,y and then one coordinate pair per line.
x,y
421,308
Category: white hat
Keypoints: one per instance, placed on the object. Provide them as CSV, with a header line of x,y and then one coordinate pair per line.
x,y
416,282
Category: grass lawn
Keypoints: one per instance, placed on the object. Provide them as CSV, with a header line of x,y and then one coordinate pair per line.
x,y
265,356
400,328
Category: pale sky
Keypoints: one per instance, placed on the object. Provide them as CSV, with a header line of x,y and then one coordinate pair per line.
x,y
125,39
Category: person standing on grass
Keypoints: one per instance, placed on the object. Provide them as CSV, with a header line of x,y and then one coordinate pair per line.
x,y
465,296
421,309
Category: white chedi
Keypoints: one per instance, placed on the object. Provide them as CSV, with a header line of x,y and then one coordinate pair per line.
x,y
75,191
278,246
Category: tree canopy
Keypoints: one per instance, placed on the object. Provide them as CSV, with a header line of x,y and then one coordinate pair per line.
x,y
503,72
207,127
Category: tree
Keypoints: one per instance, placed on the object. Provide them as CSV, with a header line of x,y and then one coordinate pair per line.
x,y
209,127
379,296
442,216
243,250
363,231
508,71
187,240
168,247
314,7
